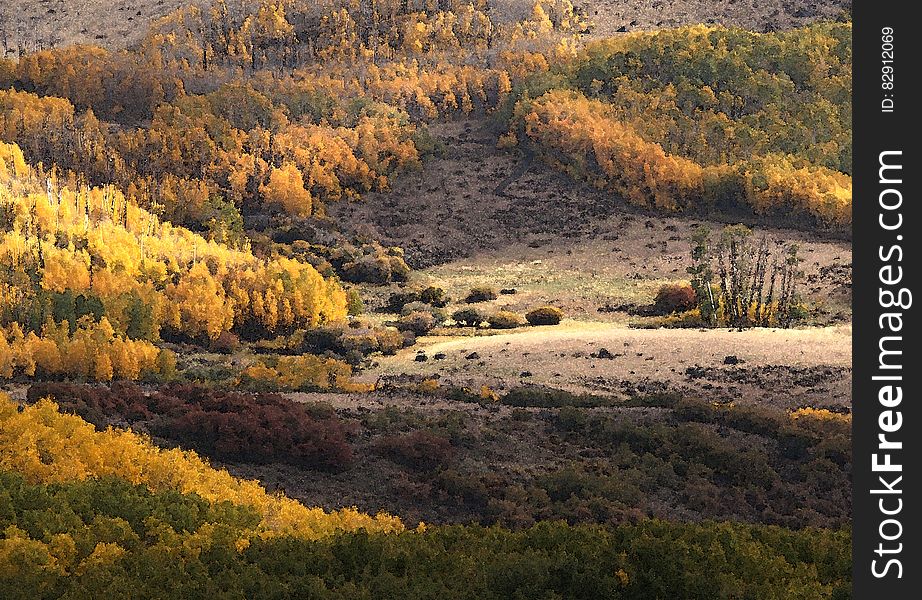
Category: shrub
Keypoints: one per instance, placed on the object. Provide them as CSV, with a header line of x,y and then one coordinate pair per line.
x,y
420,450
470,317
317,341
265,428
226,343
417,306
419,322
481,294
538,396
354,304
438,314
390,340
419,299
409,338
434,296
689,319
400,270
303,373
359,338
362,343
570,418
674,297
505,319
369,269
397,300
544,315
223,425
371,263
695,409
98,405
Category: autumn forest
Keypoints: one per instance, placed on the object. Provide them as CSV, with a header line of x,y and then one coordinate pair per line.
x,y
360,299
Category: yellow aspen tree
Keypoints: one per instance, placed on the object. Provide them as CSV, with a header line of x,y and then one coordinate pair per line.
x,y
6,357
286,189
103,370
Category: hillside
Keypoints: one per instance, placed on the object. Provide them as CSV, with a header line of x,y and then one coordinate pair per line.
x,y
34,24
47,23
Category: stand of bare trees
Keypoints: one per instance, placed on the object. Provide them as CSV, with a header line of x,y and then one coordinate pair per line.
x,y
742,282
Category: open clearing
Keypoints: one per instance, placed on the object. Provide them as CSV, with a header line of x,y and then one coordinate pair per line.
x,y
785,368
587,252
464,222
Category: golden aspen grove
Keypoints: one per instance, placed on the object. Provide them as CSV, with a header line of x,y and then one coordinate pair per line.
x,y
425,299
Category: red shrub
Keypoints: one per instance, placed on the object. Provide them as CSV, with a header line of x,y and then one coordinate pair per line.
x,y
231,426
675,297
99,405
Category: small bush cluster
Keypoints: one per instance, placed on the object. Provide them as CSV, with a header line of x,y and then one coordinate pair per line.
x,y
434,296
225,343
418,322
537,396
370,263
302,373
544,315
231,426
431,296
468,317
352,343
505,319
690,319
481,294
676,458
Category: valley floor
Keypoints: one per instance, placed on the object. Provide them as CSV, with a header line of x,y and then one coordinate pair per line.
x,y
785,368
550,241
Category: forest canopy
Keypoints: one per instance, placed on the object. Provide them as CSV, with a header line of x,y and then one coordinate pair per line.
x,y
287,106
705,119
107,513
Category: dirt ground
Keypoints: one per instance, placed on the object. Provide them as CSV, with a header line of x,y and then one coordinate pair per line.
x,y
613,16
787,369
113,24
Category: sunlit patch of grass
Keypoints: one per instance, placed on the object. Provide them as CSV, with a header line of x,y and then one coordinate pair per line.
x,y
542,281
